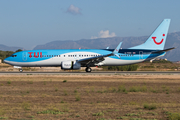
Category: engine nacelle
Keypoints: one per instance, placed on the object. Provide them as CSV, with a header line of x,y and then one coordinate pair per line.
x,y
70,65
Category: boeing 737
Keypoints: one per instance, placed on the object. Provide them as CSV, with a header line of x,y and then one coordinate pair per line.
x,y
74,59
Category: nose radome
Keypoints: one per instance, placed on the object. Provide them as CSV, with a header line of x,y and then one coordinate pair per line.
x,y
5,60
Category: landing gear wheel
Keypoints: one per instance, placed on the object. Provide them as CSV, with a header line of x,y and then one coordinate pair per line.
x,y
88,69
20,70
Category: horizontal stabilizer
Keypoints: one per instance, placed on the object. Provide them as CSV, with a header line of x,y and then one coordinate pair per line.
x,y
164,50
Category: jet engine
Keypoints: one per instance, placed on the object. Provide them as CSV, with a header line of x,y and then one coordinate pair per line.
x,y
70,65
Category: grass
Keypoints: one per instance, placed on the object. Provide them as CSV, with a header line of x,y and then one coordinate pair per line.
x,y
27,91
9,82
77,115
2,111
132,103
44,82
150,106
152,113
78,100
65,108
26,105
121,88
3,117
122,117
173,116
56,89
165,89
30,82
78,97
132,114
50,112
112,89
65,92
64,81
98,114
62,101
178,89
75,91
92,88
30,116
138,89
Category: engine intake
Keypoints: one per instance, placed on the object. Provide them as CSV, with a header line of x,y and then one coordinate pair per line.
x,y
70,65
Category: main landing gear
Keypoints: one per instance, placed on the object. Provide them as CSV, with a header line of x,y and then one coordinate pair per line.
x,y
20,70
88,69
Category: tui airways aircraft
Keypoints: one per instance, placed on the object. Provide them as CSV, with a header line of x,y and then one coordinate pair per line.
x,y
76,58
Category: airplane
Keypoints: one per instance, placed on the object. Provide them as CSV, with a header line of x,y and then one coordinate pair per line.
x,y
73,59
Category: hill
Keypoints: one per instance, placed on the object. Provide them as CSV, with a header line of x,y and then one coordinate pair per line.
x,y
8,48
173,40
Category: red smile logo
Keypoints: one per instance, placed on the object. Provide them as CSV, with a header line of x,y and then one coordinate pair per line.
x,y
158,43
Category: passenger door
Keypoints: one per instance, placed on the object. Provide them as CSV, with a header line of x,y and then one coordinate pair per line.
x,y
140,55
24,56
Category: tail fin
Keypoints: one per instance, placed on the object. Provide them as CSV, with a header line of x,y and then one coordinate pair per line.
x,y
158,38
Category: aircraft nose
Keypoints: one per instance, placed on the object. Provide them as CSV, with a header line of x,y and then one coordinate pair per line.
x,y
5,60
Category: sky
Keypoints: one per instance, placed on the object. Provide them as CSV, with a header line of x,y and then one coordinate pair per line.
x,y
27,23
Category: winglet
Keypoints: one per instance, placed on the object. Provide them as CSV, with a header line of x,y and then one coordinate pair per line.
x,y
117,48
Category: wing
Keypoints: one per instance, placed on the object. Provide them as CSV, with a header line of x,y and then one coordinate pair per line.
x,y
93,60
99,58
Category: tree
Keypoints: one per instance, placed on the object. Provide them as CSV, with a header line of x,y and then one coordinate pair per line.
x,y
18,50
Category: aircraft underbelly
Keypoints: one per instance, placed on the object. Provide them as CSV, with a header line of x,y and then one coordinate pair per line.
x,y
48,62
112,62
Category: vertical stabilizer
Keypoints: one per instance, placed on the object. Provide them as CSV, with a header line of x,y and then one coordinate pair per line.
x,y
157,39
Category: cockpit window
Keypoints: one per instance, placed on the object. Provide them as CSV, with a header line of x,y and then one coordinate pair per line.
x,y
13,55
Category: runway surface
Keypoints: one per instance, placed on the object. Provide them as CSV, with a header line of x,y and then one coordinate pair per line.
x,y
92,73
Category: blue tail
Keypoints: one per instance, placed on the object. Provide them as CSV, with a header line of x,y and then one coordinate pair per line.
x,y
158,38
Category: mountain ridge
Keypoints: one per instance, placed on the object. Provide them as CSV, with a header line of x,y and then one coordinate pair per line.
x,y
9,48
